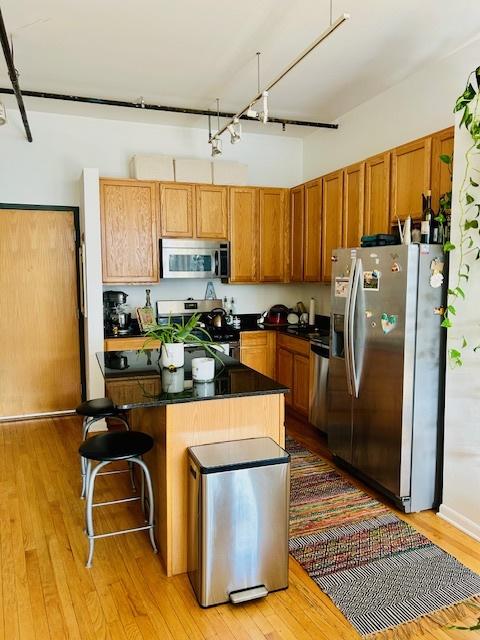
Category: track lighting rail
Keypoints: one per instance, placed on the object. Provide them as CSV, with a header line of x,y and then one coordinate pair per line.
x,y
264,92
157,107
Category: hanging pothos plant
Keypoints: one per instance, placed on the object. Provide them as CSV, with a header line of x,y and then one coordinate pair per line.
x,y
468,238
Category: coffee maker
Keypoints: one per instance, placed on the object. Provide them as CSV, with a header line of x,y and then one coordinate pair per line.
x,y
117,320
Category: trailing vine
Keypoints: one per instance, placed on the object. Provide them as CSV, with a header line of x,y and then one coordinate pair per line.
x,y
468,242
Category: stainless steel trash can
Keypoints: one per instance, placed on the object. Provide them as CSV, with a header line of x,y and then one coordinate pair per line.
x,y
239,494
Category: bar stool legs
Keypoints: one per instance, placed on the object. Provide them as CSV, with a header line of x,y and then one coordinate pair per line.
x,y
90,477
87,423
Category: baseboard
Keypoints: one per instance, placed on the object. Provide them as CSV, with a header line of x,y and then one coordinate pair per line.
x,y
461,522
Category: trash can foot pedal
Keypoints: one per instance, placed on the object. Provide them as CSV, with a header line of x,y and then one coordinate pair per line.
x,y
236,597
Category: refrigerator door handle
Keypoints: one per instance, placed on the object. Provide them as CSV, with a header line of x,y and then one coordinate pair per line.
x,y
354,379
347,328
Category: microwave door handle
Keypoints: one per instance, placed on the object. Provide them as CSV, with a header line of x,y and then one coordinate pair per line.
x,y
354,378
215,258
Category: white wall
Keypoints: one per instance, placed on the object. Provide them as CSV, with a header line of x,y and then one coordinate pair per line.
x,y
47,171
248,298
419,105
461,483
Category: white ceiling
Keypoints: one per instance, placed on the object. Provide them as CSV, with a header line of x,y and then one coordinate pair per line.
x,y
188,52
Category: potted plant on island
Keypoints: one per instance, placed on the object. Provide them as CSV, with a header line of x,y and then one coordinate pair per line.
x,y
174,335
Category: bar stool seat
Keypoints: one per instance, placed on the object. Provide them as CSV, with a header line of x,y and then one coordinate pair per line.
x,y
102,407
117,445
106,448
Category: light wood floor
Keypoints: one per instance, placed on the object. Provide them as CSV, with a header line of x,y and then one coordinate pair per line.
x,y
46,592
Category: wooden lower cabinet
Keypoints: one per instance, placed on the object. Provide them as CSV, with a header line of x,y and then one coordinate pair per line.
x,y
285,372
257,351
301,390
293,370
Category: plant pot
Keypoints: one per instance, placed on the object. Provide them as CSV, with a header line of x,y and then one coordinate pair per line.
x,y
173,355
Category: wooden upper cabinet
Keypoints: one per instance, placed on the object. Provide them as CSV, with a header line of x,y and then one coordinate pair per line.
x,y
377,194
211,212
129,212
312,260
273,235
176,210
297,217
442,144
353,203
243,234
410,178
332,224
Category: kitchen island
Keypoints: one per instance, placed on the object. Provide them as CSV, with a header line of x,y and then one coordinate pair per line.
x,y
179,413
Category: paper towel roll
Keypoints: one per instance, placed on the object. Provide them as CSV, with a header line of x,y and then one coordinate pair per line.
x,y
311,312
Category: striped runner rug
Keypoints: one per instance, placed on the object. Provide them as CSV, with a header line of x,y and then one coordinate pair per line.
x,y
384,576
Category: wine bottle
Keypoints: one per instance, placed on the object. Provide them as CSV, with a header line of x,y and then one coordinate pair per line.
x,y
426,226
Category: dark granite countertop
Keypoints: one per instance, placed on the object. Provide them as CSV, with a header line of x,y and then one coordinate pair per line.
x,y
135,379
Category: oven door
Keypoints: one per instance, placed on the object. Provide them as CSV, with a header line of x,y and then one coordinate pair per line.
x,y
190,262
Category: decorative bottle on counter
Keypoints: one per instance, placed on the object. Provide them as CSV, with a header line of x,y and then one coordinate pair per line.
x,y
426,228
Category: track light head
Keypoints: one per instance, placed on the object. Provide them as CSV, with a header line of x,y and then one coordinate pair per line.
x,y
235,131
264,113
216,147
3,114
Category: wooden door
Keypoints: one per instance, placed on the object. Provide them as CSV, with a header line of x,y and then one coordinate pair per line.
x,y
442,144
377,194
243,213
353,202
273,235
332,225
211,212
176,210
297,213
129,212
285,372
257,350
410,178
39,331
312,259
301,387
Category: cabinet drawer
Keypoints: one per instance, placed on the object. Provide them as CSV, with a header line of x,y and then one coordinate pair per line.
x,y
128,344
254,338
297,345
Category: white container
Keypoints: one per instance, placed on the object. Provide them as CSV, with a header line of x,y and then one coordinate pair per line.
x,y
203,369
193,170
203,389
311,312
152,167
173,355
173,380
226,172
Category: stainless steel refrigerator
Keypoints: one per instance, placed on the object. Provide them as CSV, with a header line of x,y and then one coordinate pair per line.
x,y
386,371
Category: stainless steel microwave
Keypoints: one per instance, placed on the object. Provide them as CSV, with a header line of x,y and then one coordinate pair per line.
x,y
194,259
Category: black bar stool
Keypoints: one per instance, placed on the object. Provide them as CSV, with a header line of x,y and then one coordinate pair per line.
x,y
106,448
93,411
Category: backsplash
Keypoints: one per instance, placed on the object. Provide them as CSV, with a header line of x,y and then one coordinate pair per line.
x,y
253,298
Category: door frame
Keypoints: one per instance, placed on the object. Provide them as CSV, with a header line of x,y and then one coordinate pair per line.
x,y
81,322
